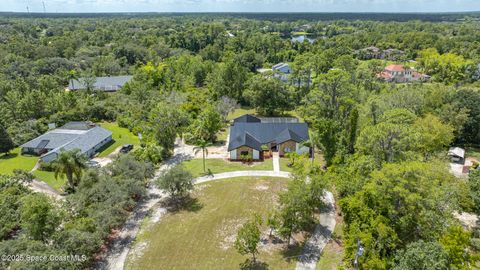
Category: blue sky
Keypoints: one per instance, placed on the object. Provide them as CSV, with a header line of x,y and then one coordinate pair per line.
x,y
241,5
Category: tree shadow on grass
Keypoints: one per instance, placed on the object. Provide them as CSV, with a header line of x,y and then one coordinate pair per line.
x,y
183,204
249,264
8,156
292,251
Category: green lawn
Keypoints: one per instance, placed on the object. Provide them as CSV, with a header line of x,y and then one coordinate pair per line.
x,y
284,165
222,135
239,112
202,237
120,136
16,161
49,178
285,161
195,166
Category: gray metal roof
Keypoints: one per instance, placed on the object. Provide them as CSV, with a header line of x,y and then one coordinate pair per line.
x,y
69,139
265,133
280,65
244,140
107,84
247,118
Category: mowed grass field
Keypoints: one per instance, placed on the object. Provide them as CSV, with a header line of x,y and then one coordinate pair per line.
x,y
203,237
14,160
216,165
120,135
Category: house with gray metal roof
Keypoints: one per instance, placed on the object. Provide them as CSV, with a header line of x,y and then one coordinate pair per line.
x,y
85,136
105,84
282,71
254,136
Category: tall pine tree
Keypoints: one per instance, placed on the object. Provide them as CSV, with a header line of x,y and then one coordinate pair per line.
x,y
6,143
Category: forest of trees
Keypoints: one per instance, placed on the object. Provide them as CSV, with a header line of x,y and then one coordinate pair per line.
x,y
384,144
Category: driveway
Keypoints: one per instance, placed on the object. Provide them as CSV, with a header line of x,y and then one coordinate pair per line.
x,y
323,232
42,187
104,161
119,249
226,175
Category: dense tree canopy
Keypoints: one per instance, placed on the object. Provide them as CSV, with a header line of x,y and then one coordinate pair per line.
x,y
384,143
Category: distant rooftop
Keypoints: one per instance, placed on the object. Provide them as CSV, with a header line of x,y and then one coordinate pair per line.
x,y
106,84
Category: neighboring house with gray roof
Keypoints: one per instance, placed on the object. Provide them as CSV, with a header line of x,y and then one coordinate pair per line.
x,y
105,84
85,136
282,71
253,136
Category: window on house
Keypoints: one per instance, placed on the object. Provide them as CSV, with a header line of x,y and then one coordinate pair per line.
x,y
244,153
288,150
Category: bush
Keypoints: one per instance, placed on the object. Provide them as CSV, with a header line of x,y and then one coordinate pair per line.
x,y
177,181
47,166
246,158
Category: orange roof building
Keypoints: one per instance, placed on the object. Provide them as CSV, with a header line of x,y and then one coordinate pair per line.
x,y
401,74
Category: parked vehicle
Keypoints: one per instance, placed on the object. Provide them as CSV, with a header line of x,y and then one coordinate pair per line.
x,y
126,148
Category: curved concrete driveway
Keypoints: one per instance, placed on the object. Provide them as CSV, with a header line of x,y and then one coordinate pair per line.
x,y
225,175
117,254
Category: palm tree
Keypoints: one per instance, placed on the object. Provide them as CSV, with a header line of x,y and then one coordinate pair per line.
x,y
202,145
70,164
311,143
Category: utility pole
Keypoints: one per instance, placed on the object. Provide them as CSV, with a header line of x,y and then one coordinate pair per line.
x,y
28,10
44,8
359,253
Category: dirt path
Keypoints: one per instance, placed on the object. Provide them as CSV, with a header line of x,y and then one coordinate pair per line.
x,y
313,248
118,251
42,187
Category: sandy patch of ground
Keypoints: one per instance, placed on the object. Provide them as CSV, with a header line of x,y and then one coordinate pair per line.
x,y
270,244
137,251
157,214
228,232
468,220
261,187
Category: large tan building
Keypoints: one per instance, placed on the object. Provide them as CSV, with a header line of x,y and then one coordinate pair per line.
x,y
252,137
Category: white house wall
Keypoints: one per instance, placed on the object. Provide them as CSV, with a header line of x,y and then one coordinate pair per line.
x,y
233,154
256,154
